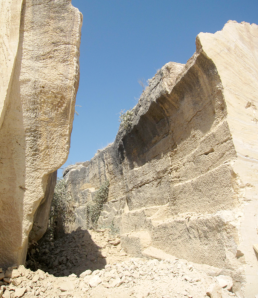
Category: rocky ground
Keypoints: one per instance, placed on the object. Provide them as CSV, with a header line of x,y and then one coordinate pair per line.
x,y
92,264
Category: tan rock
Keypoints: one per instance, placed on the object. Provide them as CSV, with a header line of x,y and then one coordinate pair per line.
x,y
183,171
40,62
95,281
67,286
19,292
214,291
15,273
225,282
255,246
7,294
35,278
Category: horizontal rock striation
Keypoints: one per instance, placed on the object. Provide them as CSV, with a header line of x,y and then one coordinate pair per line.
x,y
182,170
39,57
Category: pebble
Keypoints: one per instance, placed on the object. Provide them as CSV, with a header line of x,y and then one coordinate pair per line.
x,y
95,281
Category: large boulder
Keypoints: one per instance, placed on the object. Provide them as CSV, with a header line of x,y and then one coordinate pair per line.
x,y
183,168
39,58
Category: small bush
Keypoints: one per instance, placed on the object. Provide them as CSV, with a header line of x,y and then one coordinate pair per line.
x,y
95,207
126,119
61,211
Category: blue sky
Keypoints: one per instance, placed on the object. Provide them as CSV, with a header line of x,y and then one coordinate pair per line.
x,y
124,41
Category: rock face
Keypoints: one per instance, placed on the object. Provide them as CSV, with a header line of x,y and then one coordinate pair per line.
x,y
39,57
183,169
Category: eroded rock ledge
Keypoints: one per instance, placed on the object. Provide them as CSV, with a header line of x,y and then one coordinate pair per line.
x,y
39,58
183,177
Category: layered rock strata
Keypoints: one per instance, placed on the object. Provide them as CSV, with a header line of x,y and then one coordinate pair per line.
x,y
39,57
183,174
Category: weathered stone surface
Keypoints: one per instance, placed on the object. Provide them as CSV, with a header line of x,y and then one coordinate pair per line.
x,y
39,58
184,172
41,216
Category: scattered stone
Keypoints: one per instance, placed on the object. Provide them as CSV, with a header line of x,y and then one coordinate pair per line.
x,y
214,291
85,273
150,278
7,294
115,242
95,281
8,273
15,274
255,246
115,282
67,286
19,292
225,282
35,278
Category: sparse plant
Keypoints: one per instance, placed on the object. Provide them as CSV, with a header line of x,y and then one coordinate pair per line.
x,y
95,207
143,83
76,111
126,119
61,212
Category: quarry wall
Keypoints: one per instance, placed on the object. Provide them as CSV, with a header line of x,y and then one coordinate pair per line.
x,y
182,171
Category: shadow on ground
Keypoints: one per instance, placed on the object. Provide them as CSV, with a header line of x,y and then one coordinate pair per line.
x,y
72,253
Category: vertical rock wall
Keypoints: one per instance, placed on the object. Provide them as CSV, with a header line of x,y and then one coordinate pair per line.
x,y
40,41
235,53
183,177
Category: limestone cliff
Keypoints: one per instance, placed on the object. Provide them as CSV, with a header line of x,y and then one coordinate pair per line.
x,y
183,174
39,58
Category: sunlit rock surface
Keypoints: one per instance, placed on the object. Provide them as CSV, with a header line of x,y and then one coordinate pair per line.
x,y
39,58
183,176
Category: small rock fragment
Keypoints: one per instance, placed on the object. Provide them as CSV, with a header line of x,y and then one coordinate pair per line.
x,y
8,273
7,279
85,273
19,292
15,273
115,283
67,286
255,246
7,294
35,278
225,282
214,291
95,281
115,242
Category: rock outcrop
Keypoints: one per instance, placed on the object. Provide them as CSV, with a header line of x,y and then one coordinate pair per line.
x,y
183,168
39,58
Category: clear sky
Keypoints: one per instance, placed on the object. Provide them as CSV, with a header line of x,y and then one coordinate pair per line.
x,y
124,41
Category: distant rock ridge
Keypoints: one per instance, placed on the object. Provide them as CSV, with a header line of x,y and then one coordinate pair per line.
x,y
183,174
39,58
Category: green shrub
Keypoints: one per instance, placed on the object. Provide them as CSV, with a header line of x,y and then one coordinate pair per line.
x,y
95,207
61,212
126,119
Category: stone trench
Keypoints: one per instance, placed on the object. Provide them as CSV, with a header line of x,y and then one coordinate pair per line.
x,y
181,173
